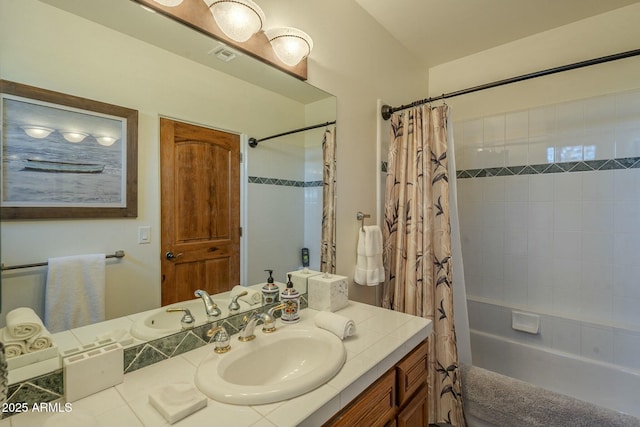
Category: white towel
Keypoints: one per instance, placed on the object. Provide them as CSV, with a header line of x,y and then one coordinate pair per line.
x,y
23,323
341,326
74,294
369,268
39,342
252,297
13,347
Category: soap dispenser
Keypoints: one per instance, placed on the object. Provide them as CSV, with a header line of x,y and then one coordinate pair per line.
x,y
270,290
291,297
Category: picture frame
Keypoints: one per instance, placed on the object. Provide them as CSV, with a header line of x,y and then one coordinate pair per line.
x,y
65,156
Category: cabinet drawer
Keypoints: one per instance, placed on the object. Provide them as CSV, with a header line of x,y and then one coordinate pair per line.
x,y
375,407
411,373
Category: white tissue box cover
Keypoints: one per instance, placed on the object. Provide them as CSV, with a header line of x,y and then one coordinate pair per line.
x,y
299,279
34,357
328,293
176,401
93,371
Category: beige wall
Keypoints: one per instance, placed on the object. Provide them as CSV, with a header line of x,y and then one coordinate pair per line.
x,y
601,35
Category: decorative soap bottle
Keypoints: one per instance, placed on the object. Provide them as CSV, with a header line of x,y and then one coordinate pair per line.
x,y
270,290
291,297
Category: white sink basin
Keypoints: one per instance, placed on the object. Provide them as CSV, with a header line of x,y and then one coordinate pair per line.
x,y
273,367
158,323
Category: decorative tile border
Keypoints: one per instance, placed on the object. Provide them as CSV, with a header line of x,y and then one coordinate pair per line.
x,y
581,166
283,182
50,387
44,388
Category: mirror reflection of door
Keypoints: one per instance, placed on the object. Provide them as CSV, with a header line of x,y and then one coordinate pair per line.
x,y
200,210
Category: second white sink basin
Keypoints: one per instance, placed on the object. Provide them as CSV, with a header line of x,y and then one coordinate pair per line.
x,y
273,367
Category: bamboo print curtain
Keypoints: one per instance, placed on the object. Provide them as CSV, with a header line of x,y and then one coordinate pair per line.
x,y
328,238
417,246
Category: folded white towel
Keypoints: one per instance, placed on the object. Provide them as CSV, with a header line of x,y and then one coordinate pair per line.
x,y
75,292
369,268
13,347
176,401
341,326
23,323
252,297
39,342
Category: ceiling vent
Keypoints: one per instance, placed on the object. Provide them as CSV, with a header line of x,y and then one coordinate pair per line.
x,y
224,53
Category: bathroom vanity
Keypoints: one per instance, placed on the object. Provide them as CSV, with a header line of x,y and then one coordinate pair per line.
x,y
382,382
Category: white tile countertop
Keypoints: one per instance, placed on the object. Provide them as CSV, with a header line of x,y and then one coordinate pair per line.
x,y
382,338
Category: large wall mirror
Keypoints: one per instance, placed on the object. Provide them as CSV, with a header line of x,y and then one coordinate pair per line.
x,y
118,53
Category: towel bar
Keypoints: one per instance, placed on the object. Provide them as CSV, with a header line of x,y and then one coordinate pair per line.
x,y
117,254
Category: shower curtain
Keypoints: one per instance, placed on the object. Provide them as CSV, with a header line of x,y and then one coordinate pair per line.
x,y
328,237
417,246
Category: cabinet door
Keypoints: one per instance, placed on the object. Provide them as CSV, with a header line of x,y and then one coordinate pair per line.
x,y
415,413
412,373
374,408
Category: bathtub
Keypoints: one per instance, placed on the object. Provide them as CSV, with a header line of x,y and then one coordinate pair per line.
x,y
603,384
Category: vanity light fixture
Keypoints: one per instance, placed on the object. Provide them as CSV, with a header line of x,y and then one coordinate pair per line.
x,y
72,136
238,19
169,3
106,141
291,45
37,131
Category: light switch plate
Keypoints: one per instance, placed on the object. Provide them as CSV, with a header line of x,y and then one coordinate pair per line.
x,y
144,234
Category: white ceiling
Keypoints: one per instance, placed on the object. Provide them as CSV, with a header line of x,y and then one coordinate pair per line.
x,y
438,31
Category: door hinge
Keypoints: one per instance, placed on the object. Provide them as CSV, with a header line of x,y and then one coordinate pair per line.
x,y
240,231
241,158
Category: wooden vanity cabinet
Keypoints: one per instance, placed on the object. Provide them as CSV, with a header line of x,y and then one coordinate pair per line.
x,y
397,399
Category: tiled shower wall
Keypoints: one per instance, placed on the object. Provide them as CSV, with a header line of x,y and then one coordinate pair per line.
x,y
549,202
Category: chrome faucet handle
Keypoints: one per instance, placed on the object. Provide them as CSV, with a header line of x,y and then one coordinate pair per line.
x,y
221,339
187,321
269,324
234,305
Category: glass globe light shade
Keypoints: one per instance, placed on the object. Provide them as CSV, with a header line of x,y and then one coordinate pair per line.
x,y
238,19
169,3
37,131
74,137
106,141
290,44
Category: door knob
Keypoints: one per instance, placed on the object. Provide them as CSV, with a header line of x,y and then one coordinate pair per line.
x,y
171,255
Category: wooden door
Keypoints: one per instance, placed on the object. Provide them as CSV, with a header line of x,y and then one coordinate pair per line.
x,y
200,210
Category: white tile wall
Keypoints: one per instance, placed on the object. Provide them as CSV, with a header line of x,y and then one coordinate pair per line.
x,y
566,245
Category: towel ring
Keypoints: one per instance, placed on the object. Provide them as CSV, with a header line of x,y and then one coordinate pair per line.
x,y
360,217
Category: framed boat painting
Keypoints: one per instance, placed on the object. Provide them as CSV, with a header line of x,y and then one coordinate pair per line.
x,y
66,157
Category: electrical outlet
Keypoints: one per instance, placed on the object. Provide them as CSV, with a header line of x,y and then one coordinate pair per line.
x,y
144,234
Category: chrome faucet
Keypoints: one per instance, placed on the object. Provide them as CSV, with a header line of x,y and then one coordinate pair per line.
x,y
209,306
268,323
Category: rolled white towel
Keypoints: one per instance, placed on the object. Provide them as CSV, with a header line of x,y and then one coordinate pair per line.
x,y
39,342
252,297
13,347
23,323
341,326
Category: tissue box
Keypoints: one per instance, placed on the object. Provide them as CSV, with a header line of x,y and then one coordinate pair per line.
x,y
328,293
300,278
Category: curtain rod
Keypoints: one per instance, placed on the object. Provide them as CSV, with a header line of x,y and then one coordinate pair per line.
x,y
254,142
388,110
